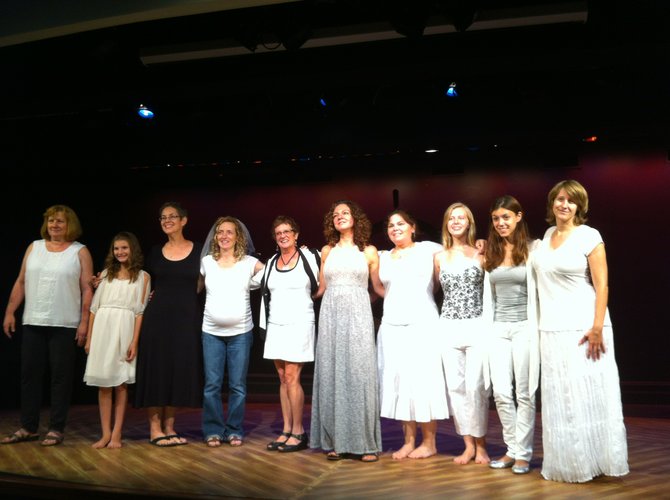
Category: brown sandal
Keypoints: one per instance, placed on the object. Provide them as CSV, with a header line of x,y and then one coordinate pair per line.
x,y
52,438
20,436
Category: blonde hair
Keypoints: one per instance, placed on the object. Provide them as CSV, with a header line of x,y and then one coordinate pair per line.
x,y
240,249
447,239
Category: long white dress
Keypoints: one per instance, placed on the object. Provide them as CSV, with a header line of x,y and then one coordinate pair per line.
x,y
583,433
115,304
409,357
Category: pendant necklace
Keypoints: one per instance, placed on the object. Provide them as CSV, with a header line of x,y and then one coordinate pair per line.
x,y
289,260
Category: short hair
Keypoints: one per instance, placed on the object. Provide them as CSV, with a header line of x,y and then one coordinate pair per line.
x,y
241,244
176,205
447,239
285,219
362,225
577,194
135,262
73,225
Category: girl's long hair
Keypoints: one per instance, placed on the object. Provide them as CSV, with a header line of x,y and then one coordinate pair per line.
x,y
495,247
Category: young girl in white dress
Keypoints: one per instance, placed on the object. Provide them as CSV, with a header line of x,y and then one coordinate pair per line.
x,y
113,333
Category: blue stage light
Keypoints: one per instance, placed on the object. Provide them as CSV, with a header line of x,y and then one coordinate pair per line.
x,y
145,112
451,91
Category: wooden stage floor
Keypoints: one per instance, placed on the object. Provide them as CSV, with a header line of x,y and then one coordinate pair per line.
x,y
75,470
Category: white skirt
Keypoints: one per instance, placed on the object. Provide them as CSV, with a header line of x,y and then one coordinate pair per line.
x,y
411,379
293,343
583,433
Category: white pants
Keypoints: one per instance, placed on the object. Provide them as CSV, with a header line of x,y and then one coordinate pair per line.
x,y
462,359
509,362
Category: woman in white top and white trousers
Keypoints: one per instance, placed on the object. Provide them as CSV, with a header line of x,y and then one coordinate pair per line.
x,y
510,310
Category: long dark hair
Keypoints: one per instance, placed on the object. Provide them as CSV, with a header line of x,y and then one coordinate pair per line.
x,y
495,247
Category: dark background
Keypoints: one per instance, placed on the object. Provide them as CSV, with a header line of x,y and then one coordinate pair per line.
x,y
246,136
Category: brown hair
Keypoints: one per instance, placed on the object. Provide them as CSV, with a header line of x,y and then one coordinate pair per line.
x,y
362,226
284,219
135,262
406,217
495,247
73,225
577,194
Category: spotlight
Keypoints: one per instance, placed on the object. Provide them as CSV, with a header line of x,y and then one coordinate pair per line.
x,y
451,91
145,112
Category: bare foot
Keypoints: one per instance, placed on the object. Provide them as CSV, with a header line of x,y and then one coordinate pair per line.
x,y
403,452
104,441
114,443
423,451
482,457
465,457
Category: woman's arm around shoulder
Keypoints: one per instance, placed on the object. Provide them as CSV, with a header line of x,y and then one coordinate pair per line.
x,y
325,251
372,256
85,276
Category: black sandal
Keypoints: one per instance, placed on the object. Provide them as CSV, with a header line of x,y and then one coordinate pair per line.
x,y
303,440
274,445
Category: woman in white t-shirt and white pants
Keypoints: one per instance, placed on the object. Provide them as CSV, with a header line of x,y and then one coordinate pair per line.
x,y
226,330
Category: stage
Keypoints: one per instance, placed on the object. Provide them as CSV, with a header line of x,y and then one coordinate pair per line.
x,y
75,470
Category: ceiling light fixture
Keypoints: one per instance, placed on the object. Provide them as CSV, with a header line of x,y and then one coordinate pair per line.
x,y
145,112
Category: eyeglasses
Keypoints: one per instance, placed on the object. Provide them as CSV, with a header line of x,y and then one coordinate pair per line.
x,y
279,234
171,218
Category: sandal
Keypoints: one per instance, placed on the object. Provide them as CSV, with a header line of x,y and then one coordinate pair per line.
x,y
274,445
213,441
333,456
180,441
19,436
52,438
235,441
369,457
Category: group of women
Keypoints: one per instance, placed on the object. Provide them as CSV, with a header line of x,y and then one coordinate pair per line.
x,y
506,311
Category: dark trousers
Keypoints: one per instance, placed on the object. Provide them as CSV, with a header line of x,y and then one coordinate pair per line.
x,y
44,346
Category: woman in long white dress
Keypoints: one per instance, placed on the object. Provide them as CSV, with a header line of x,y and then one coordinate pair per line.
x,y
583,433
113,333
412,384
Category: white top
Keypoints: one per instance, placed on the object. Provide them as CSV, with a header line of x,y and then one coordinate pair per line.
x,y
290,292
227,305
52,292
408,284
567,296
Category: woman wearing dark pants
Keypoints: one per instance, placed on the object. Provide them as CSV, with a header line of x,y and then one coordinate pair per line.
x,y
54,282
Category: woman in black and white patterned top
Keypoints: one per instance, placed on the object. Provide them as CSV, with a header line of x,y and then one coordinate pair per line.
x,y
459,270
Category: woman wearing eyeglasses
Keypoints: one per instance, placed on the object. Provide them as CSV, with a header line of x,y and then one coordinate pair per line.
x,y
169,363
287,283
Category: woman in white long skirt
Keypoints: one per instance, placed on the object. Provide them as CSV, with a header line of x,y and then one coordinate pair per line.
x,y
410,365
583,432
